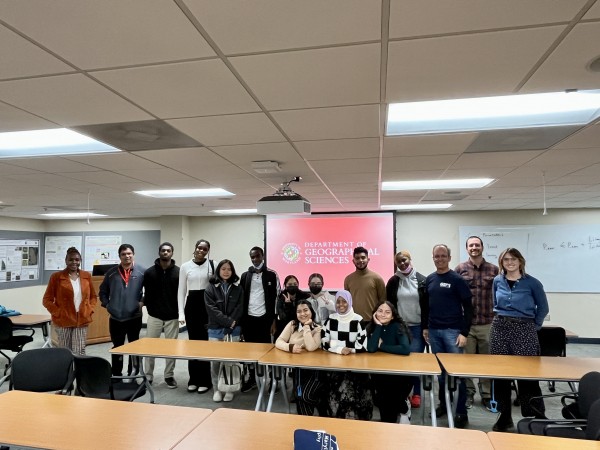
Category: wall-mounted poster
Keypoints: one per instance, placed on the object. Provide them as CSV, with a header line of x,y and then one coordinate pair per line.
x,y
55,250
101,250
19,259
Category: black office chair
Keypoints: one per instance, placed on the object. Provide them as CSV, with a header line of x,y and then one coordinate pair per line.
x,y
93,376
553,342
43,370
588,395
10,342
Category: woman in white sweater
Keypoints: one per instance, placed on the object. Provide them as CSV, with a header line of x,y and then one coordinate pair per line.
x,y
303,335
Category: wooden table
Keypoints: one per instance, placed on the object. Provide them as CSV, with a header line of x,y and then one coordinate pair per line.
x,y
245,352
513,367
424,365
512,441
30,321
67,422
253,430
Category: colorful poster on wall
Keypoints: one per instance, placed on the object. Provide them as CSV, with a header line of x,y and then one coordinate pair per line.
x,y
101,250
55,250
19,259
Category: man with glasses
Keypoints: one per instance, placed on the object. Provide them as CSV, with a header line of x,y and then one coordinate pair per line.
x,y
479,275
446,319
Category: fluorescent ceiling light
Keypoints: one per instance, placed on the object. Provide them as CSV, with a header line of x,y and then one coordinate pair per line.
x,y
235,211
418,206
185,193
57,141
493,113
424,185
72,215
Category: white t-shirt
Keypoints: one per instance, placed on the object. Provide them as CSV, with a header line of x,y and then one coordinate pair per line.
x,y
256,303
76,293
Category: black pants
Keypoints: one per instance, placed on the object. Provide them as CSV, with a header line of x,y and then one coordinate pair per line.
x,y
310,390
257,329
118,331
391,392
196,320
516,338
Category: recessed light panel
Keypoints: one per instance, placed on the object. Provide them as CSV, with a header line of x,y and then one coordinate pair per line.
x,y
184,193
424,185
418,206
235,211
71,215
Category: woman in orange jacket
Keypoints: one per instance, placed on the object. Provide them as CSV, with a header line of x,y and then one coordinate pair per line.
x,y
70,298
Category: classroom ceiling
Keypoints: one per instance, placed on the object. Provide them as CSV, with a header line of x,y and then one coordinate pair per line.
x,y
303,83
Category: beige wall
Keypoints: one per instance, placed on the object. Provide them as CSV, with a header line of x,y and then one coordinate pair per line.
x,y
232,237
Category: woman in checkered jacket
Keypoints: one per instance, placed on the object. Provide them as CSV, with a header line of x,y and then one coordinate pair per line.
x,y
349,393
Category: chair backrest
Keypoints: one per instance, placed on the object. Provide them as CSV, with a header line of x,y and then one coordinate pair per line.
x,y
92,374
592,431
6,327
553,341
589,392
42,370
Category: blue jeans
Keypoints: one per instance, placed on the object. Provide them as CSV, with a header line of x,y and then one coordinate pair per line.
x,y
444,341
417,345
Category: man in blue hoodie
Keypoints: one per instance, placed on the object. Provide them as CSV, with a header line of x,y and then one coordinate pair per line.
x,y
121,293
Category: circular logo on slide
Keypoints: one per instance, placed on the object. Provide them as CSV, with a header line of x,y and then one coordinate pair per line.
x,y
291,253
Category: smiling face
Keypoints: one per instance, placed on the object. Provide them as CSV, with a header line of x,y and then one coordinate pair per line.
x,y
73,261
474,247
303,313
126,257
256,257
402,262
441,259
201,251
225,272
361,261
341,305
511,264
384,314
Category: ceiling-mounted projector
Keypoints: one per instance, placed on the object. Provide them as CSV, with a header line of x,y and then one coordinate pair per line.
x,y
284,201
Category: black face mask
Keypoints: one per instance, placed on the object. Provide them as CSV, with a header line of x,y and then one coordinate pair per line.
x,y
292,290
315,289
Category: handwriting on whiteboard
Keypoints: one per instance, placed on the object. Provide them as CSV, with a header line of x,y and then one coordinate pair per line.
x,y
592,243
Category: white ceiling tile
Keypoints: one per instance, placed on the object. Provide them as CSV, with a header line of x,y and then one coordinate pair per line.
x,y
14,119
229,129
116,161
429,17
588,137
181,90
482,172
339,149
593,12
439,162
566,67
560,157
99,177
243,155
122,33
411,175
69,100
433,144
495,63
10,169
312,78
21,58
494,159
330,123
52,164
160,177
238,27
340,168
195,161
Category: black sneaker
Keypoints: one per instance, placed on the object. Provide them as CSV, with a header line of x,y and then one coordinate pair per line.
x,y
469,402
502,424
461,421
440,411
171,383
248,385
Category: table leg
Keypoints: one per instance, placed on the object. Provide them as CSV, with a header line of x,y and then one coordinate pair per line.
x,y
138,367
449,408
273,389
427,386
259,371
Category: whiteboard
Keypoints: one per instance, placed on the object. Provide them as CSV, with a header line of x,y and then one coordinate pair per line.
x,y
565,258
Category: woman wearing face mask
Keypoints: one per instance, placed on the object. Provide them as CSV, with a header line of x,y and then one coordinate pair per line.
x,y
322,301
349,392
406,290
388,333
194,276
286,302
301,335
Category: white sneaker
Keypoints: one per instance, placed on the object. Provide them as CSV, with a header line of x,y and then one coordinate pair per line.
x,y
228,396
404,419
218,396
202,389
192,388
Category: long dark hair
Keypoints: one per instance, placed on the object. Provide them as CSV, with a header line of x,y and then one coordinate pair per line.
x,y
216,278
402,329
312,312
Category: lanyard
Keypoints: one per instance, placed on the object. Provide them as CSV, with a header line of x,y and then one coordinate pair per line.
x,y
125,274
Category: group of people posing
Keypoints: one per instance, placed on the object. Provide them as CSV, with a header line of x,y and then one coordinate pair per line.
x,y
477,308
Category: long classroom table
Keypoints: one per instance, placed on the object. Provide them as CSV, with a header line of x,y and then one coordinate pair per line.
x,y
253,430
424,365
244,352
512,367
513,441
30,321
66,422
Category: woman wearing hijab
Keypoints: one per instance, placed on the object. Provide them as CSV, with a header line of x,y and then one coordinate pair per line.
x,y
406,290
349,393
